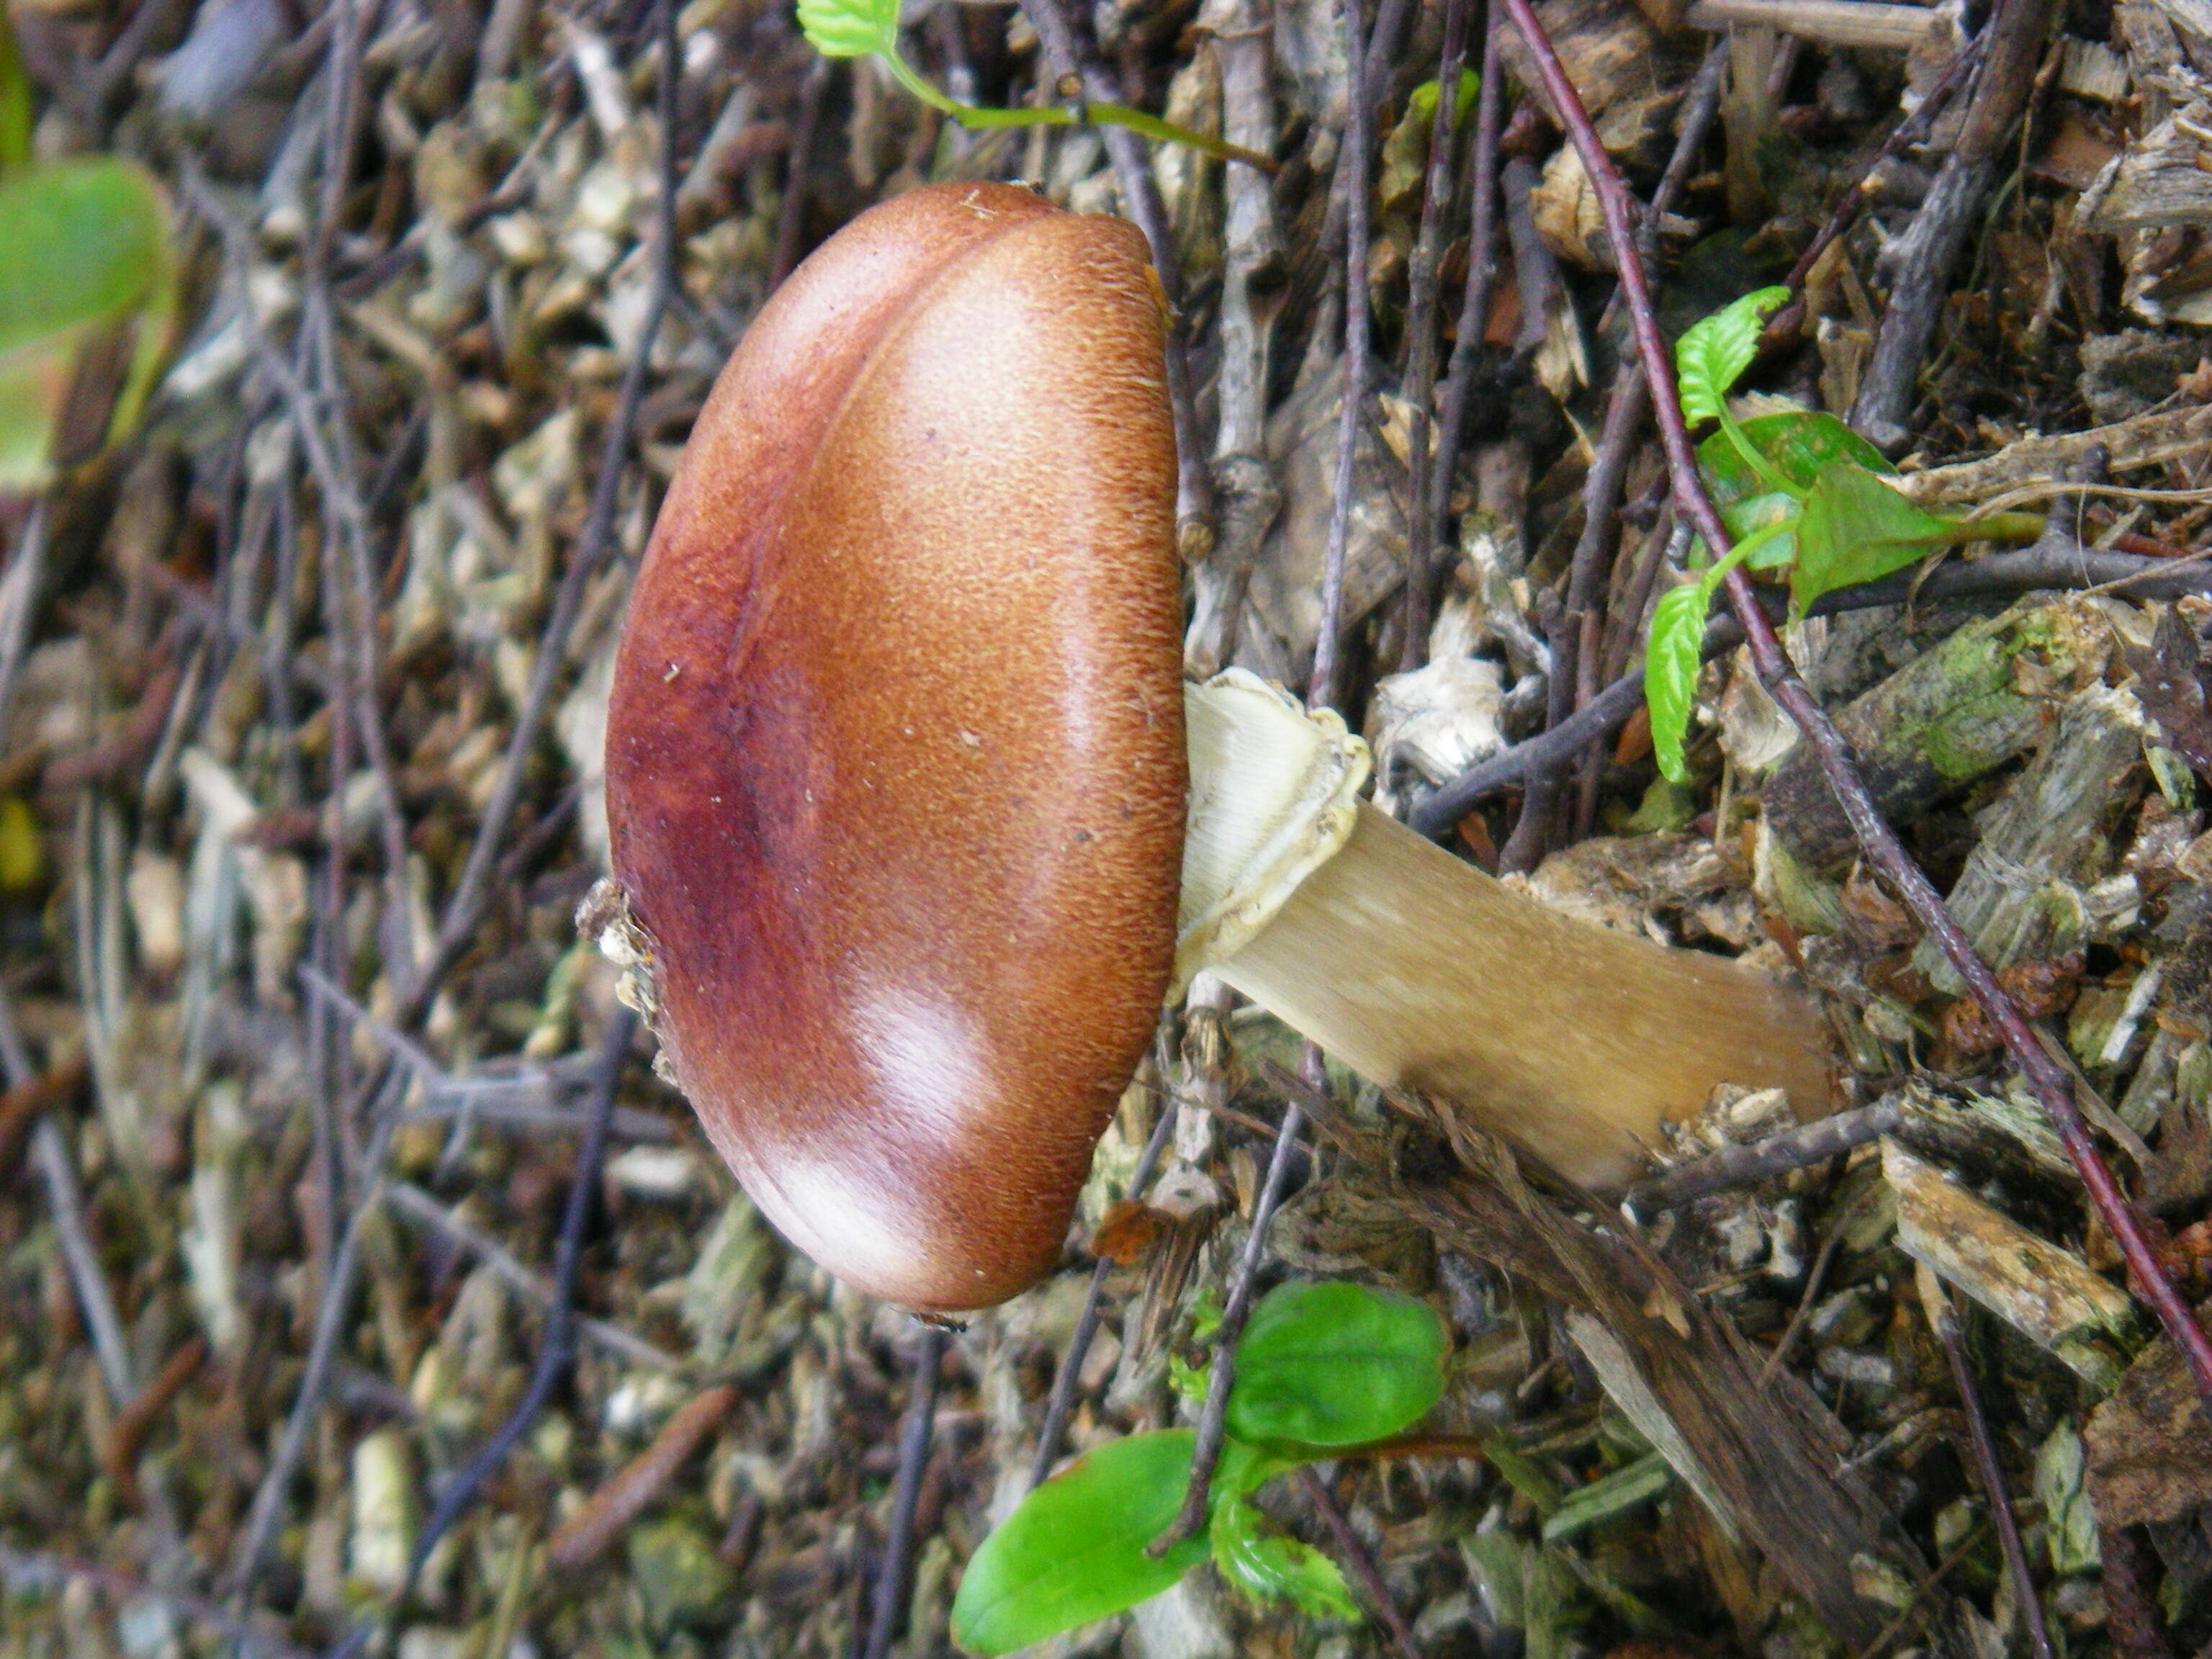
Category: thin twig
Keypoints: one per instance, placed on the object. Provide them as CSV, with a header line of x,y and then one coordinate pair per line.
x,y
1918,1607
1481,276
65,1201
1884,854
791,214
1922,257
553,1357
1743,1166
1786,323
1325,687
1423,281
136,1420
2053,563
1213,1418
1936,1301
411,1203
331,1314
1353,1550
1068,1378
1815,1276
893,1576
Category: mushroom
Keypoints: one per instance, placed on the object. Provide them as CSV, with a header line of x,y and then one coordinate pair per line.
x,y
896,788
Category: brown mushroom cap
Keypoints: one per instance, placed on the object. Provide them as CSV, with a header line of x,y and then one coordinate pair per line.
x,y
894,754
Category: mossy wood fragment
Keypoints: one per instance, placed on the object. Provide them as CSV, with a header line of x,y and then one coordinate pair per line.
x,y
1953,715
2047,843
2046,1293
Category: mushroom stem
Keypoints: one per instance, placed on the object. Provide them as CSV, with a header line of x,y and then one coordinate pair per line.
x,y
1418,970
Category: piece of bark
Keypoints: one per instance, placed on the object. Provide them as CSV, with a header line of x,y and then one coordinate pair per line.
x,y
1830,22
1763,1453
2046,1293
1951,715
2047,840
2150,1445
2128,446
2159,181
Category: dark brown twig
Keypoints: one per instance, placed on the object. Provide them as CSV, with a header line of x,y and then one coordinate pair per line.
x,y
791,213
1213,1416
1785,322
1352,1550
1481,276
1743,1166
896,1573
1883,853
1936,1299
133,1422
1921,260
24,1102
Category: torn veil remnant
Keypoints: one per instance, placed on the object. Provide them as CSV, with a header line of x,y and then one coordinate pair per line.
x,y
895,775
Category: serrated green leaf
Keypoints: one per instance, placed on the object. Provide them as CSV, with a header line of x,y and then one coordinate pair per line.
x,y
850,28
1670,673
1855,528
86,251
1795,444
1269,1567
1713,352
1335,1364
1074,1551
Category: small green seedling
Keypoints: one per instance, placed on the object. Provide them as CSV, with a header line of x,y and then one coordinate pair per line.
x,y
86,275
869,29
1799,492
1323,1369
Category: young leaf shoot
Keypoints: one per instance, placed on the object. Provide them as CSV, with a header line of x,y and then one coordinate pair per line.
x,y
1322,1368
863,28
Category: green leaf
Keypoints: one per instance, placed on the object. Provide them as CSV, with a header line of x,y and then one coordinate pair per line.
x,y
850,28
1670,673
1713,352
1269,1567
1855,528
1074,1551
86,250
1335,1364
1406,151
1795,444
15,101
